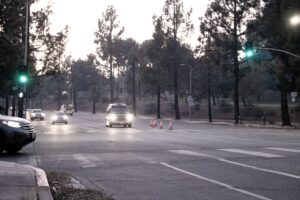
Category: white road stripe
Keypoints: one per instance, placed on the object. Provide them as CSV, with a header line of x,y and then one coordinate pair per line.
x,y
229,187
84,161
260,169
284,149
253,153
191,153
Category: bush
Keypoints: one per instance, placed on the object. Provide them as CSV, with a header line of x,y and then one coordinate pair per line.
x,y
225,107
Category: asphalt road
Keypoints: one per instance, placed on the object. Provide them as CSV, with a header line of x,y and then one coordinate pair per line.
x,y
193,161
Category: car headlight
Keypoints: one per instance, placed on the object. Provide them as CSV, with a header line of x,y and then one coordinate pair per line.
x,y
112,117
12,124
54,117
43,114
129,117
65,117
33,115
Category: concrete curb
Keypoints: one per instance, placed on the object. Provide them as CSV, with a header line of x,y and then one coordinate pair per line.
x,y
43,190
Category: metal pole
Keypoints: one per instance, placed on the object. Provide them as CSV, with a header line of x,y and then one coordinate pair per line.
x,y
25,62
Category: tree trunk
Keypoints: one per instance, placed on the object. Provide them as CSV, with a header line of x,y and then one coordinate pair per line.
x,y
133,89
209,94
236,69
158,103
6,104
284,106
177,112
75,100
59,94
13,111
94,100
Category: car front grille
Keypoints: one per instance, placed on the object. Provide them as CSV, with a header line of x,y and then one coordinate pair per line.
x,y
121,118
29,128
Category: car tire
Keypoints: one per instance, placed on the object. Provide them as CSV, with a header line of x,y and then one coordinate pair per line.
x,y
66,122
110,126
12,150
53,123
129,125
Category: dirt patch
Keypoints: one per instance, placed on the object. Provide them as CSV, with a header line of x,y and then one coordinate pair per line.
x,y
65,187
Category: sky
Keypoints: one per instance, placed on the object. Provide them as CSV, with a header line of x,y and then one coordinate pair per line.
x,y
135,15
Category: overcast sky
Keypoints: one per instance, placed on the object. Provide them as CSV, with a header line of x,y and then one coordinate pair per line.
x,y
135,15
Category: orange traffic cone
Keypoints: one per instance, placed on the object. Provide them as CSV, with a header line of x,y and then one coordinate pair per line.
x,y
154,123
161,125
151,123
170,126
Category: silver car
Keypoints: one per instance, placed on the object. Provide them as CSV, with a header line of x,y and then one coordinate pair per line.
x,y
59,117
118,114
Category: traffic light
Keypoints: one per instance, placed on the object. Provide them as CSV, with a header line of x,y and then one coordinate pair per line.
x,y
23,77
249,50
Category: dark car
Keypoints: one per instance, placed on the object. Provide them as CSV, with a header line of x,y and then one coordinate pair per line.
x,y
15,133
118,114
59,117
37,114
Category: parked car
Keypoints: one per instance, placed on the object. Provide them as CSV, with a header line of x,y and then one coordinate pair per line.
x,y
118,114
15,133
37,114
59,117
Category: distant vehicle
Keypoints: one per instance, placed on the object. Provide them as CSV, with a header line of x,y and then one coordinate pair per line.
x,y
15,133
59,117
36,114
27,113
68,109
118,114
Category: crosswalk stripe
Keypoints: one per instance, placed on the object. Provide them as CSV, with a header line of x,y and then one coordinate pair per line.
x,y
84,161
284,149
192,153
253,153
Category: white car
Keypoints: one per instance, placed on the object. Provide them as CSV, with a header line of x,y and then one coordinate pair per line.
x,y
59,117
36,114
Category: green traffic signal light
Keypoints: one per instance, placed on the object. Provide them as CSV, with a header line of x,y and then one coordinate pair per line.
x,y
249,53
23,79
249,49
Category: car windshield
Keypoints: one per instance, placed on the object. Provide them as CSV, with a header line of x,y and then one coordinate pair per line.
x,y
60,114
119,109
37,111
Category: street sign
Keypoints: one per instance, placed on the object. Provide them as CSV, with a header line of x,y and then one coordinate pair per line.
x,y
294,95
264,55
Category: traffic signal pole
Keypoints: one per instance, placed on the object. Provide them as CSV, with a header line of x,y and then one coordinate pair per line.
x,y
25,63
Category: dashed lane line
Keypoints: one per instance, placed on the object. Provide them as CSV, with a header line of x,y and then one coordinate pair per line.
x,y
229,187
284,149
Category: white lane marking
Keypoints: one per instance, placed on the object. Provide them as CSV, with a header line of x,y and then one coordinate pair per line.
x,y
91,131
253,153
284,149
260,169
84,161
229,187
187,152
192,153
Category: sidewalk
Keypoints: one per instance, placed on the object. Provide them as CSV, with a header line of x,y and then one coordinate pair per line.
x,y
22,182
256,124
